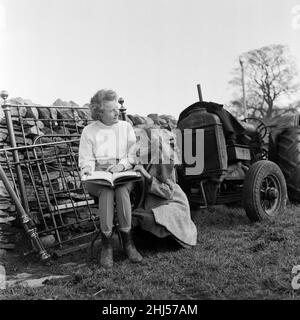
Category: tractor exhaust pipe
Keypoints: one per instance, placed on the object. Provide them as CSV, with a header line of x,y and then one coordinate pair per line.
x,y
199,92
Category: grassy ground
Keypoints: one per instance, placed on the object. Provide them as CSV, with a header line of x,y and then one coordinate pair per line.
x,y
234,259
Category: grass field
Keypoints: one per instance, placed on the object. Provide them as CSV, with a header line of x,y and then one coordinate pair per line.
x,y
234,259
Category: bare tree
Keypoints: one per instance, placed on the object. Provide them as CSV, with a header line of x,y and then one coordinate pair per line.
x,y
270,80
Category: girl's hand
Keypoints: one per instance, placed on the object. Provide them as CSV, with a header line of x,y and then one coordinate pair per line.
x,y
86,171
115,168
143,171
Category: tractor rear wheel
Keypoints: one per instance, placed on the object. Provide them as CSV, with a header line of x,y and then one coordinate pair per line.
x,y
288,157
264,191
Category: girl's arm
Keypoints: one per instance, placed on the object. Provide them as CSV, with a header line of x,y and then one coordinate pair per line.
x,y
163,190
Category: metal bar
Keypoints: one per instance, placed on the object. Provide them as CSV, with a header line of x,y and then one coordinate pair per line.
x,y
41,119
28,164
51,126
30,172
9,167
37,145
63,176
60,253
25,219
46,192
75,162
63,126
72,205
57,156
7,112
48,107
51,189
53,229
75,117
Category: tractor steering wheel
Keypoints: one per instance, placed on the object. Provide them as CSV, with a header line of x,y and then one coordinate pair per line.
x,y
262,129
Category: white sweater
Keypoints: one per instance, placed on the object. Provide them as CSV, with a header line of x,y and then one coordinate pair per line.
x,y
102,145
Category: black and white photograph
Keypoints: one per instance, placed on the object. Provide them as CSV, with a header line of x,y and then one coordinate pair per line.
x,y
149,153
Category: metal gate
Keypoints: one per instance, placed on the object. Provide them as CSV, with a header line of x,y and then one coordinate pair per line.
x,y
42,167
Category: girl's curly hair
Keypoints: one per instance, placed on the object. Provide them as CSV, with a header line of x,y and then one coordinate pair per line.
x,y
97,102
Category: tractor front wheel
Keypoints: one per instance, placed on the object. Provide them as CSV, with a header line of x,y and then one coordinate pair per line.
x,y
264,191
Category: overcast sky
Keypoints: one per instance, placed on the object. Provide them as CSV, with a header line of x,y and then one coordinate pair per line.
x,y
153,53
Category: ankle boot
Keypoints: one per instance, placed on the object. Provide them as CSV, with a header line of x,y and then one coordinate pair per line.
x,y
106,256
129,247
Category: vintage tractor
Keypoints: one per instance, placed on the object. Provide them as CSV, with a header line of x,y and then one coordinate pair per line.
x,y
235,167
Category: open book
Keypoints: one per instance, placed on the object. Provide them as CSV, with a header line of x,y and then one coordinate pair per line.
x,y
112,179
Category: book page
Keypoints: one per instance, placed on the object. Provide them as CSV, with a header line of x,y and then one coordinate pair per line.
x,y
117,175
98,175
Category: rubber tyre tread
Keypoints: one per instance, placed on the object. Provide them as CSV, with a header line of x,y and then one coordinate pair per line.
x,y
288,146
251,190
